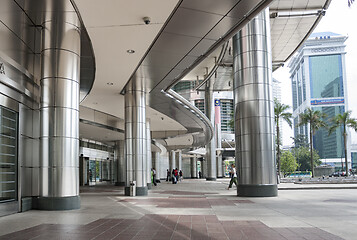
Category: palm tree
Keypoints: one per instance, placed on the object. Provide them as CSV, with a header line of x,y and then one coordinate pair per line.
x,y
350,2
314,118
280,113
346,121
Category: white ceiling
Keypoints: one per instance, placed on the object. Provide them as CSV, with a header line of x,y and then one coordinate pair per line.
x,y
114,27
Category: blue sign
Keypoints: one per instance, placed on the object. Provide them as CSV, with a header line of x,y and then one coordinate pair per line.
x,y
328,101
217,102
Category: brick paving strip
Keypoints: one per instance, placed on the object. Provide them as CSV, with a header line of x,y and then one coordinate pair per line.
x,y
172,227
184,202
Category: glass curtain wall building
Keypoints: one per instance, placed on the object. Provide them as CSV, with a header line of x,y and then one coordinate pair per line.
x,y
318,79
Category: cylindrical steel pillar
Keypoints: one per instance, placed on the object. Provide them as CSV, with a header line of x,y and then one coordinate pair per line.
x,y
219,154
193,163
172,161
135,136
254,109
59,137
121,163
211,173
179,160
148,155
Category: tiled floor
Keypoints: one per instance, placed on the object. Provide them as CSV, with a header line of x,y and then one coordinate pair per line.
x,y
157,227
193,209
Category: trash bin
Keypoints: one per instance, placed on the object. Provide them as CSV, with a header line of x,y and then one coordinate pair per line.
x,y
132,188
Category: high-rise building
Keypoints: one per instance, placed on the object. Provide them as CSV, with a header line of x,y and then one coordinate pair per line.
x,y
318,79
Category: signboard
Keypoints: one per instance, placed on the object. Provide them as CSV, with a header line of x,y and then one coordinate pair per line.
x,y
328,101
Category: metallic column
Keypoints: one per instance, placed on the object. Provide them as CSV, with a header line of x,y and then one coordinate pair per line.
x,y
219,154
254,109
172,161
59,137
148,155
193,162
179,160
211,173
135,136
121,163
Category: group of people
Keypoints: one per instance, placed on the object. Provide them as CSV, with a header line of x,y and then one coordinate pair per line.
x,y
174,176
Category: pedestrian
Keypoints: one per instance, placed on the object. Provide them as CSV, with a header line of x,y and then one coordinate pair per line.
x,y
173,178
167,175
176,175
233,173
199,174
153,178
181,175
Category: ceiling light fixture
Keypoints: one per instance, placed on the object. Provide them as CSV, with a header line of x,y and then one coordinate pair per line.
x,y
130,51
110,83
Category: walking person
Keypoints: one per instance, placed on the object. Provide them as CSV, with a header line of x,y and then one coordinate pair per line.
x,y
167,175
181,175
173,178
233,173
153,176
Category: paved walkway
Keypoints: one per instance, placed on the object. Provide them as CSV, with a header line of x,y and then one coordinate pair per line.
x,y
193,209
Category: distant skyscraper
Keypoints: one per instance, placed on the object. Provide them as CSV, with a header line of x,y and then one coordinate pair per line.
x,y
318,78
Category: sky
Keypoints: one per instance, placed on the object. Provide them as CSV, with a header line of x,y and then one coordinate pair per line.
x,y
339,19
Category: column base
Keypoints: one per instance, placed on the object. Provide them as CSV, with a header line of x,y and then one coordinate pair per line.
x,y
56,203
257,190
210,179
140,191
149,186
119,183
194,177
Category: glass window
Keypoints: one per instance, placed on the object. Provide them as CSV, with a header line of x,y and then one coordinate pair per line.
x,y
293,87
330,146
200,104
226,114
8,155
326,76
183,85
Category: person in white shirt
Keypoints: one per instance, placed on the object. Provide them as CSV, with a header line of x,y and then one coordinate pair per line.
x,y
233,172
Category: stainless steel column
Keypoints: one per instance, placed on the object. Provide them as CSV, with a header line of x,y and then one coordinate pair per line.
x,y
148,155
135,136
121,163
219,154
59,109
211,173
179,159
193,162
172,161
254,110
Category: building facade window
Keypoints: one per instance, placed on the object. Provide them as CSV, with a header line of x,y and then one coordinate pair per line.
x,y
183,85
200,104
330,146
226,114
326,76
8,153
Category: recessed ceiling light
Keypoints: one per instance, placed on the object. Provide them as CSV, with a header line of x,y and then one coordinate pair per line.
x,y
131,51
110,83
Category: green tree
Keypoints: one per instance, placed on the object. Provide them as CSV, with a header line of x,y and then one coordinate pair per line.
x,y
300,141
345,121
303,158
280,113
288,162
314,119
